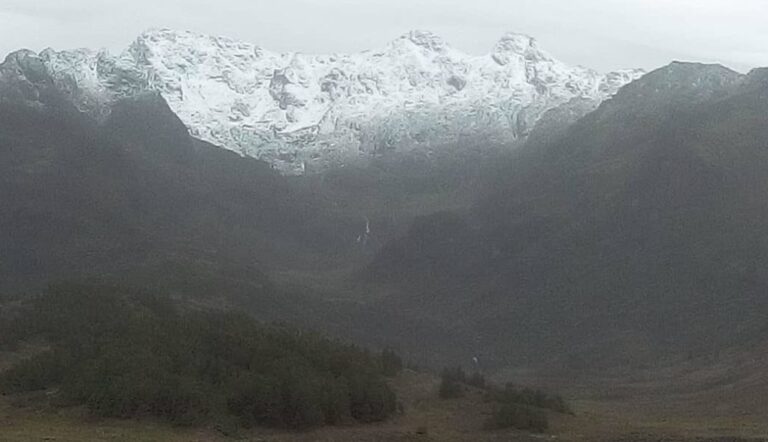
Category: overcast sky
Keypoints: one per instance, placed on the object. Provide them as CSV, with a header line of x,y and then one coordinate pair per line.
x,y
603,34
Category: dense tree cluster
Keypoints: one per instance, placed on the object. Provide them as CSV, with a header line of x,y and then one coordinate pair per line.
x,y
123,354
512,394
520,417
519,408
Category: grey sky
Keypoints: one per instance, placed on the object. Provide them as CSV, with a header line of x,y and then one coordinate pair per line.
x,y
603,34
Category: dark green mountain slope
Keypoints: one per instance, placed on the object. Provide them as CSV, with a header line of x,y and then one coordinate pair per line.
x,y
639,232
137,198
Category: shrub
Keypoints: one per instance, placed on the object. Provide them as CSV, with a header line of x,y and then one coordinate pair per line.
x,y
35,373
527,396
477,380
520,417
256,400
523,408
451,381
391,363
371,400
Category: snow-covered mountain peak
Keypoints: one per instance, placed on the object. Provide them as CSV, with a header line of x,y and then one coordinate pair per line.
x,y
301,111
23,63
512,45
425,39
515,42
169,38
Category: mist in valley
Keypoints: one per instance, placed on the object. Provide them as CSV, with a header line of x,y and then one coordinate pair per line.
x,y
206,239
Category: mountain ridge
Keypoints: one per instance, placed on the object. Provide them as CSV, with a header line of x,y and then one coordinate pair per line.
x,y
640,222
302,112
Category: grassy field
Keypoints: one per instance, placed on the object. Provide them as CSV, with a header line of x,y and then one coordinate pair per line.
x,y
689,402
425,418
724,399
46,427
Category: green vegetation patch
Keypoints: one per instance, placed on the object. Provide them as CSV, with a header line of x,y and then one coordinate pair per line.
x,y
126,354
518,408
524,408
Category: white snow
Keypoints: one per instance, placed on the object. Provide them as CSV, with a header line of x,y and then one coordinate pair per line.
x,y
302,111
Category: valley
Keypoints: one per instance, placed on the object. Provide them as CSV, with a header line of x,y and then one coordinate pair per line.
x,y
603,239
638,413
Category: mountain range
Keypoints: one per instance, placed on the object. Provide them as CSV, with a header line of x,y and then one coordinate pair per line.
x,y
624,226
601,234
305,113
636,234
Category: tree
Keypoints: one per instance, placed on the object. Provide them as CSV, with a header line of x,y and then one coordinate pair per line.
x,y
391,363
451,381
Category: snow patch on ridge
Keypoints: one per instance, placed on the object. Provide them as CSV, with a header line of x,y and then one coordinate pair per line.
x,y
302,111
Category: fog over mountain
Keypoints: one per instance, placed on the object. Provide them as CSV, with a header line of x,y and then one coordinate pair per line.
x,y
498,245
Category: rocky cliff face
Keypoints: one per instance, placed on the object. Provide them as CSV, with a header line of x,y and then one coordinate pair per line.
x,y
307,112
